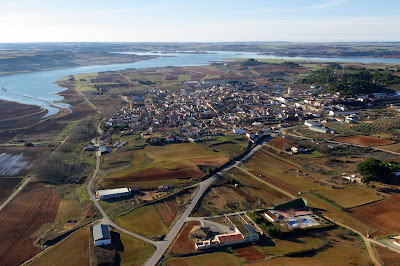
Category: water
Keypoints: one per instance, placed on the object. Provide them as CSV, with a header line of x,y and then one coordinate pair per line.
x,y
37,88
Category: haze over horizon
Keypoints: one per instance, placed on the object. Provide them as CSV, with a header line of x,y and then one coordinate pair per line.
x,y
205,21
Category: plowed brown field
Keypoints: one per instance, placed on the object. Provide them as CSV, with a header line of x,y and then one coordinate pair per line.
x,y
364,140
20,219
383,215
183,243
249,254
386,256
7,186
156,173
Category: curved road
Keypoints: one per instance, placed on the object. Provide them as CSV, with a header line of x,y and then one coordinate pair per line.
x,y
162,246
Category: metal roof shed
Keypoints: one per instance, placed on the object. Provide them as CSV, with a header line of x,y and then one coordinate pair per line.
x,y
101,235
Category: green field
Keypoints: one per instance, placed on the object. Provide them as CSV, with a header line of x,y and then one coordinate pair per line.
x,y
173,157
290,244
348,251
74,250
144,220
230,145
218,258
269,195
135,251
349,196
68,209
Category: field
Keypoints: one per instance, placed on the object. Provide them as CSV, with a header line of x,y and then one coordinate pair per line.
x,y
134,251
154,219
279,172
339,252
289,243
231,146
383,215
364,140
269,195
381,125
280,143
249,254
349,196
144,220
13,110
12,165
393,147
77,245
218,258
7,186
21,218
386,256
68,209
224,200
161,163
183,244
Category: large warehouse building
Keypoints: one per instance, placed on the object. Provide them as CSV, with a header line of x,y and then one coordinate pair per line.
x,y
113,193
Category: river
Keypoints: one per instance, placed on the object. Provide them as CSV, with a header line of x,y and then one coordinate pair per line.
x,y
37,88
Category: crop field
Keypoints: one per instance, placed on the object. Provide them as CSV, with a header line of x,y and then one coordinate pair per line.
x,y
230,145
249,254
68,209
275,171
392,147
349,196
77,245
135,251
144,220
227,194
183,244
339,252
7,186
381,125
267,194
21,218
326,209
154,219
218,258
364,140
290,243
383,215
386,256
160,163
167,211
280,143
11,165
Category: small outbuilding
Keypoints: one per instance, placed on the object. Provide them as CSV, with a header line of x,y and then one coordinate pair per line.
x,y
200,232
101,235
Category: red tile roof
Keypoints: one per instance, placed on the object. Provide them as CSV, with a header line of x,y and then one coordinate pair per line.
x,y
229,237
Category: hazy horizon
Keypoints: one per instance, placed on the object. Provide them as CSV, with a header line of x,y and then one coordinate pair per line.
x,y
305,21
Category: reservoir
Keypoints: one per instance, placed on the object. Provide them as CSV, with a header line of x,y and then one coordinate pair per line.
x,y
37,88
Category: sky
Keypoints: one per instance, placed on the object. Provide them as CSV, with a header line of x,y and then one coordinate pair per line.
x,y
199,21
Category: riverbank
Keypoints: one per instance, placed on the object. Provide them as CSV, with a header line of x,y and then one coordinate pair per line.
x,y
14,62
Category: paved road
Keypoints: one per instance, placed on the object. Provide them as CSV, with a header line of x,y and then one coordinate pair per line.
x,y
203,186
106,219
162,246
